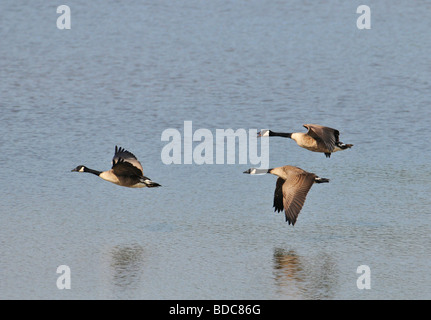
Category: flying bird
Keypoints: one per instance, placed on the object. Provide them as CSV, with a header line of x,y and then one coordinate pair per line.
x,y
291,188
126,171
318,139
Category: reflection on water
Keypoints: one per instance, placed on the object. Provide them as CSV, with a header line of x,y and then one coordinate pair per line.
x,y
288,274
126,265
301,278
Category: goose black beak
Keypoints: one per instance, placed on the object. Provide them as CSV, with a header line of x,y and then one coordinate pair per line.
x,y
247,171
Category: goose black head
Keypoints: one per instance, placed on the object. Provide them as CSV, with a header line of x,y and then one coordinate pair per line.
x,y
80,168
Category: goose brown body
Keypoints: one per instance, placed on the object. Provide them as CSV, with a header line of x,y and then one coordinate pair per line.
x,y
317,139
291,189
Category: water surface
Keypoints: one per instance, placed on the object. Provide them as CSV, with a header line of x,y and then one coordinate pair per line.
x,y
126,72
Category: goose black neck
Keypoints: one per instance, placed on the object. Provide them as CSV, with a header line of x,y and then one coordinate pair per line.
x,y
280,134
92,171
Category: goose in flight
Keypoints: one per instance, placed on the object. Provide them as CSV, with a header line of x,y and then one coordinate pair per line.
x,y
317,139
291,188
126,171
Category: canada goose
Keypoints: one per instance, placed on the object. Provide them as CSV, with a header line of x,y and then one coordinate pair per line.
x,y
291,188
317,139
126,171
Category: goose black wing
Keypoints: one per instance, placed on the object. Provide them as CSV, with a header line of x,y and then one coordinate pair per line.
x,y
123,168
127,157
328,136
278,195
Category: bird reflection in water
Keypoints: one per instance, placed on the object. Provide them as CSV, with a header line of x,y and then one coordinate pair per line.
x,y
127,265
300,277
288,273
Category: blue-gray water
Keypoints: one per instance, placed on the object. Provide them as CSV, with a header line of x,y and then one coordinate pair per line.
x,y
125,72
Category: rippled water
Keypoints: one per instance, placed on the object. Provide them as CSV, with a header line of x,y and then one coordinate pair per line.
x,y
124,73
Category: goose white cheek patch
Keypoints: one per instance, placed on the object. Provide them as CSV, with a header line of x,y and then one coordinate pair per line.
x,y
264,133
